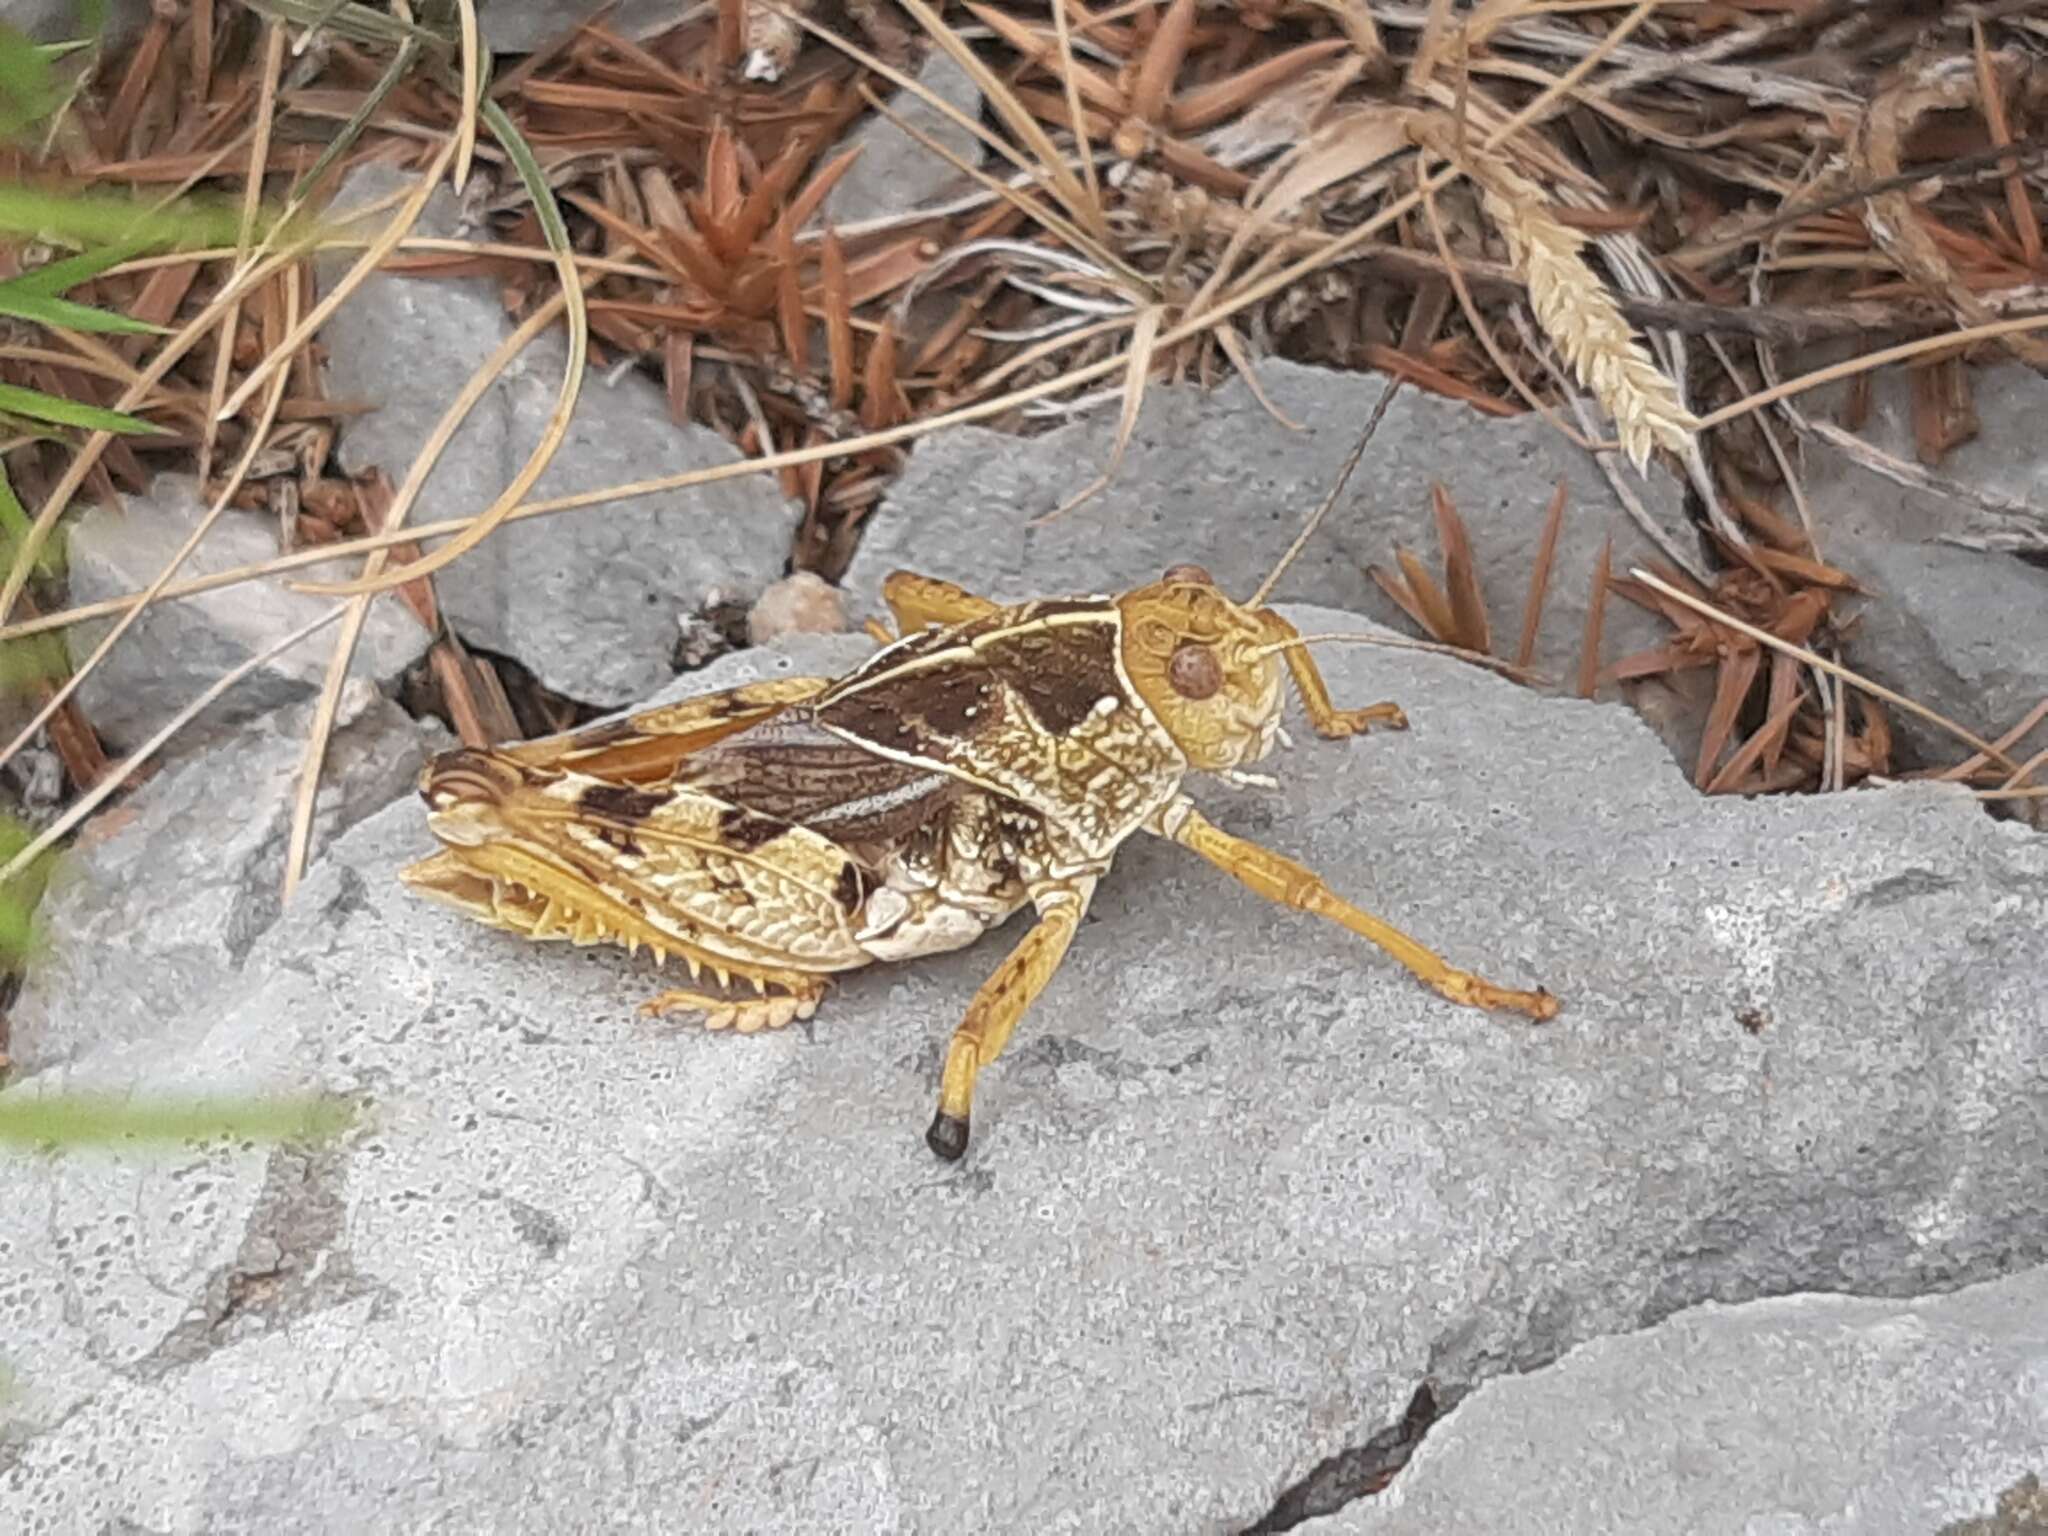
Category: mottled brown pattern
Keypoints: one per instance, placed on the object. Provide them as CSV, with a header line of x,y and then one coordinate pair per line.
x,y
798,773
741,828
1042,716
1061,673
918,711
622,802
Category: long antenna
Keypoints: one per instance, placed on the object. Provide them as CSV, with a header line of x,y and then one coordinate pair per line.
x,y
1315,521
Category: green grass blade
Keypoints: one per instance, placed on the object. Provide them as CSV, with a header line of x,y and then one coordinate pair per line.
x,y
55,277
37,406
45,310
14,526
20,937
74,1120
26,92
89,219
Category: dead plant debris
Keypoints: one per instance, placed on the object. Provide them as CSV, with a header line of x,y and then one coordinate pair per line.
x,y
1509,203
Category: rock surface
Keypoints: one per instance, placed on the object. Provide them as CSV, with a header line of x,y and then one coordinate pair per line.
x,y
1237,1187
1803,1414
588,600
63,21
179,649
964,507
520,26
895,172
163,897
1962,630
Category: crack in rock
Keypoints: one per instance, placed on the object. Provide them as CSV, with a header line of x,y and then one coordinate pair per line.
x,y
289,1265
1359,1471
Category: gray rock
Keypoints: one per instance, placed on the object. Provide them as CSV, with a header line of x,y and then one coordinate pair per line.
x,y
520,26
160,900
589,600
1212,478
179,649
2005,460
895,173
1964,631
1804,1414
63,21
790,655
1238,1185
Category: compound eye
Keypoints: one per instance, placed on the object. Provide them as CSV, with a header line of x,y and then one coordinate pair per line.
x,y
1189,574
1194,671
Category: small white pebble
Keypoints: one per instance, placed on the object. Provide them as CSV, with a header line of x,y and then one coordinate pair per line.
x,y
800,604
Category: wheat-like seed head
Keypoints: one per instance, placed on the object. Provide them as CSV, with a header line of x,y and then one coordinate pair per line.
x,y
1574,307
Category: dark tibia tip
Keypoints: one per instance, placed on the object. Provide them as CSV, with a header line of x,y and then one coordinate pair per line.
x,y
948,1136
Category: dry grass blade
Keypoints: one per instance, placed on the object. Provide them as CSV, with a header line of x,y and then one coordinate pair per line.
x,y
126,769
1872,360
557,426
1068,78
1355,17
1143,336
1250,292
1018,118
1813,659
401,225
1241,359
2005,743
252,195
1539,577
472,76
1338,150
1049,219
257,440
327,710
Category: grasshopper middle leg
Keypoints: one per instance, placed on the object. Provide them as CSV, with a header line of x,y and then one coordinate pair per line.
x,y
993,1014
1280,879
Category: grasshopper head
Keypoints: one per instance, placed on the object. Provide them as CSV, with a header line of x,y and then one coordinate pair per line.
x,y
1203,666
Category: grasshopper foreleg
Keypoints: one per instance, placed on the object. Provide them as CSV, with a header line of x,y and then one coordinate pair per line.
x,y
993,1014
1280,879
1323,713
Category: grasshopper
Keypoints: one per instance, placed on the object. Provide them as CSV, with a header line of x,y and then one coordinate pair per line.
x,y
985,759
